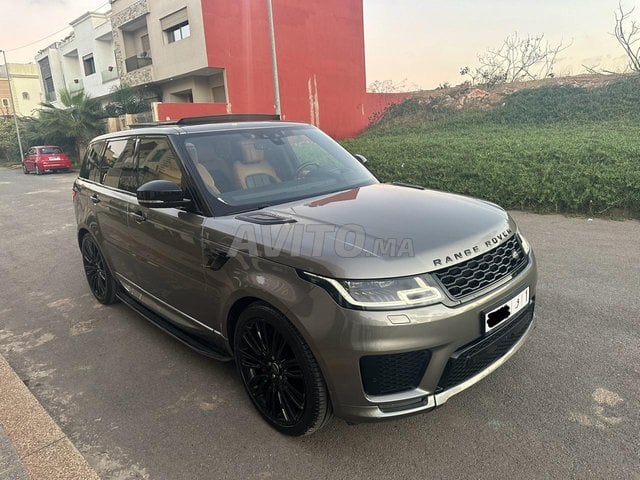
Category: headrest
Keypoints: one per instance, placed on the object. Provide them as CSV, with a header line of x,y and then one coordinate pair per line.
x,y
250,154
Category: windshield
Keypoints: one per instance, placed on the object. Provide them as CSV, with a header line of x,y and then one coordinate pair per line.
x,y
255,168
50,150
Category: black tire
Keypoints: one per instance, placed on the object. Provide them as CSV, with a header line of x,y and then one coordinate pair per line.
x,y
101,281
24,169
279,372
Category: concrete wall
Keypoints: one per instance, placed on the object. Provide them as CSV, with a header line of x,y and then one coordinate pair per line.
x,y
170,60
320,47
86,29
91,35
24,80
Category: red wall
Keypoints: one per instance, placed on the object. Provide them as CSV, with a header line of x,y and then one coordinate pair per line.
x,y
319,42
320,49
176,111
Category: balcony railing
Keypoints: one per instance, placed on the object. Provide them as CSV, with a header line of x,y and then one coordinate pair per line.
x,y
109,75
136,62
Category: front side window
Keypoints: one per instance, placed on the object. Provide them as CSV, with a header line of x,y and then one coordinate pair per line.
x,y
90,168
156,161
118,157
268,166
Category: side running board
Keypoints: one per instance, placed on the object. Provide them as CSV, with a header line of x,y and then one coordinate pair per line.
x,y
189,340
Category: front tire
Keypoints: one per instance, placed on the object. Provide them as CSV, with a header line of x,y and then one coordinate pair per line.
x,y
279,372
101,281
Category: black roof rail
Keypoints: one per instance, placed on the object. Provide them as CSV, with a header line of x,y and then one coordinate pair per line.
x,y
230,118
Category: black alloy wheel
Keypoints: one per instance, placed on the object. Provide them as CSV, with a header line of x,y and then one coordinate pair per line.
x,y
101,282
279,372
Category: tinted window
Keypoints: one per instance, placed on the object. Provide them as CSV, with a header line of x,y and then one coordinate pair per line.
x,y
268,166
118,156
156,161
50,150
90,165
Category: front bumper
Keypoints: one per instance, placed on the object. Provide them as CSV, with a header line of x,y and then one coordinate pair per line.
x,y
340,345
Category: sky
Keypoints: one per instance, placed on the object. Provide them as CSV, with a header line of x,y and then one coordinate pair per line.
x,y
424,42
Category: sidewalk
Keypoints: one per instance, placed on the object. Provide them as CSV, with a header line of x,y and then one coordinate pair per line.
x,y
32,446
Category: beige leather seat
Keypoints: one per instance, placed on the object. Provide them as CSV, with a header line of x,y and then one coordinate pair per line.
x,y
253,170
202,170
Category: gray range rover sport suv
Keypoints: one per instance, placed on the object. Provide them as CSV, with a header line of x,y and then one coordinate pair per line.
x,y
267,243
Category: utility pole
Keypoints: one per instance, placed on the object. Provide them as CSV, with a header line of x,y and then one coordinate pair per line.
x,y
13,104
274,60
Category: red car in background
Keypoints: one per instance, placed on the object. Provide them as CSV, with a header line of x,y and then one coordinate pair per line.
x,y
45,158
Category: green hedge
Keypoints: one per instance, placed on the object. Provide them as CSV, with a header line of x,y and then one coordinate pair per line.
x,y
557,149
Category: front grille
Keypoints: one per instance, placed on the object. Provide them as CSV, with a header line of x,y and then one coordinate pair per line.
x,y
385,374
481,272
478,355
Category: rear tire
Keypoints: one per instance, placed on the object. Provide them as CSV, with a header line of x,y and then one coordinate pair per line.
x,y
279,372
101,282
24,169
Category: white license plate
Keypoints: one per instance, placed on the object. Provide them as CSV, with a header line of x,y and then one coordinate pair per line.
x,y
504,312
55,159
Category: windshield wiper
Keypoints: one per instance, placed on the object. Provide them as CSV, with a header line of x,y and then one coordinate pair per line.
x,y
251,209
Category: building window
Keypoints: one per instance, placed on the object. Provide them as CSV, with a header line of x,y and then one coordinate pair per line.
x,y
89,65
176,26
5,102
179,32
25,95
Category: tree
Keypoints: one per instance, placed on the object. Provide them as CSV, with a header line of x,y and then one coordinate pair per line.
x,y
517,59
389,86
76,123
8,140
627,32
126,99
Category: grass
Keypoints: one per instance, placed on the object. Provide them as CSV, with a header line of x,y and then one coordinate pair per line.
x,y
554,149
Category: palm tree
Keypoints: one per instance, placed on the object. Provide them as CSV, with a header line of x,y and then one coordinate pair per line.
x,y
76,122
126,99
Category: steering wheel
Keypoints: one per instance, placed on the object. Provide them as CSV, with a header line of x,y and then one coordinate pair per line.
x,y
306,168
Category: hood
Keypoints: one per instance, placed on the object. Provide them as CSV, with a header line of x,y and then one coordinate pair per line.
x,y
377,231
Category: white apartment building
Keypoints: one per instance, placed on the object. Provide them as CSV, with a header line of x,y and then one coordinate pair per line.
x,y
83,61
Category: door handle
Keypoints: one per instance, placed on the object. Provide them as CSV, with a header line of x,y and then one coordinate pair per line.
x,y
94,198
138,217
215,259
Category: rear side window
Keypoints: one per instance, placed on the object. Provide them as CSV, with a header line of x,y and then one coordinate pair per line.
x,y
156,161
90,166
118,164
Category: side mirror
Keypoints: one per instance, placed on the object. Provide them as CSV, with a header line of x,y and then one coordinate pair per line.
x,y
161,194
361,158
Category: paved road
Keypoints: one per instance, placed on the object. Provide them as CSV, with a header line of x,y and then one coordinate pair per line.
x,y
140,405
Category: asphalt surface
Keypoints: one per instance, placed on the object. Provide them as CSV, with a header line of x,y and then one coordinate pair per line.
x,y
138,404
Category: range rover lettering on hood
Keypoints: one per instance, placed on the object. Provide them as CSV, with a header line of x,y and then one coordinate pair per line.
x,y
474,250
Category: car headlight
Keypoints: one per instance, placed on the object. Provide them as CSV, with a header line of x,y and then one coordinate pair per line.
x,y
381,294
525,244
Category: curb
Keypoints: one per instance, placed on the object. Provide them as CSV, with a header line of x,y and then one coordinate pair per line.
x,y
42,450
